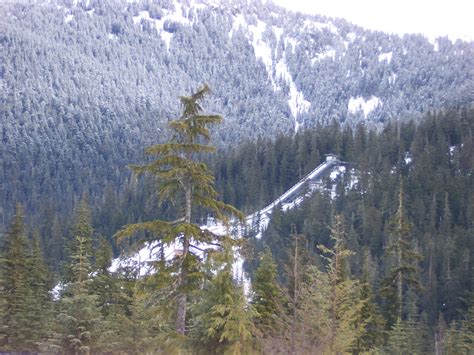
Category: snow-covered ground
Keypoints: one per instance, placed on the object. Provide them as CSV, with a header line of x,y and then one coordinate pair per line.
x,y
385,57
173,16
277,69
357,104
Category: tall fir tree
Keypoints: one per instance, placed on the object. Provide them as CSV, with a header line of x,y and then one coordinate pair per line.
x,y
267,298
40,306
15,292
330,306
181,176
81,233
79,316
369,321
404,261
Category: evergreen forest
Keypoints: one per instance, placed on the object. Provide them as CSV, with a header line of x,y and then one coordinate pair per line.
x,y
126,184
381,262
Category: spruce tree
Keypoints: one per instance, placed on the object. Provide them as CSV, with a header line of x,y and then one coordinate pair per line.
x,y
81,233
40,304
15,288
267,297
404,260
183,177
329,306
222,321
369,321
79,316
344,300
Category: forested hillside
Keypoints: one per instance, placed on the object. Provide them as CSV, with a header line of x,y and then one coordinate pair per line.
x,y
86,84
101,155
427,167
381,263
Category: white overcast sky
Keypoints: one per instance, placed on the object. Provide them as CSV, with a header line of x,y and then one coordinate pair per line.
x,y
453,18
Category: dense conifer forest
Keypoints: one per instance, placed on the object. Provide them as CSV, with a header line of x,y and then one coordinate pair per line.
x,y
123,205
85,85
381,262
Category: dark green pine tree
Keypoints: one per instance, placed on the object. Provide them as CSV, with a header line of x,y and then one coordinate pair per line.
x,y
79,316
182,177
103,283
447,248
404,258
459,338
222,322
267,296
15,293
81,233
40,307
369,321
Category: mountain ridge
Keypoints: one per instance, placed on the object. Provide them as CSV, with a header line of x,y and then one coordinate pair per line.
x,y
87,84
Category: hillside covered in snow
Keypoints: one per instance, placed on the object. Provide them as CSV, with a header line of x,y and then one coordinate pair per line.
x,y
85,85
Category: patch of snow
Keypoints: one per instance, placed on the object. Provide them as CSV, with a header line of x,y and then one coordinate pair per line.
x,y
330,53
281,71
56,291
387,56
392,78
152,251
141,259
351,36
111,36
262,49
196,5
278,31
289,41
90,12
297,103
295,203
174,16
408,158
68,18
239,21
166,37
335,174
263,52
142,15
354,182
360,104
434,41
319,26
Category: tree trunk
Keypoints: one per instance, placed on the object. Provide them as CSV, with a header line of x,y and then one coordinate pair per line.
x,y
181,314
182,297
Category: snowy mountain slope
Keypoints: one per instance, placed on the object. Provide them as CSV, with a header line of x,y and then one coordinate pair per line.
x,y
85,85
